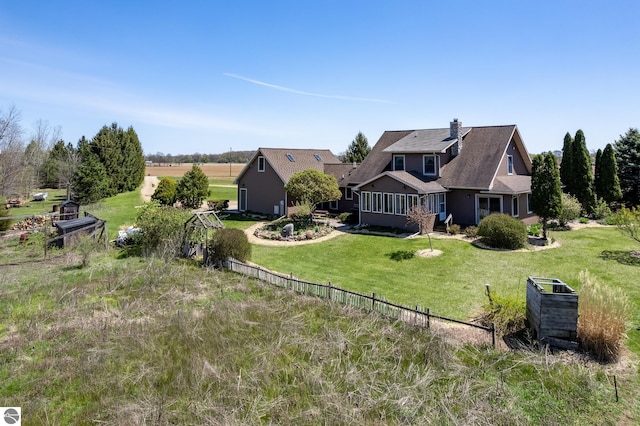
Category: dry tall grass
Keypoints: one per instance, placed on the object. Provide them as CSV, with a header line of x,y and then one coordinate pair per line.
x,y
603,315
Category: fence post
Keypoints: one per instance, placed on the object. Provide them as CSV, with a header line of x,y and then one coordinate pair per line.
x,y
415,316
329,290
290,280
428,320
373,301
493,334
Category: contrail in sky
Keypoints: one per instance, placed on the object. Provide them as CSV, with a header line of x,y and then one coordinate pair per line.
x,y
300,92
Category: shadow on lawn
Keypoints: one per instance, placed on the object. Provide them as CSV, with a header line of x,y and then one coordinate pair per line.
x,y
400,255
621,256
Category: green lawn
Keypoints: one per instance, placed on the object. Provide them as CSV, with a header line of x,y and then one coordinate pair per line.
x,y
222,189
31,207
453,284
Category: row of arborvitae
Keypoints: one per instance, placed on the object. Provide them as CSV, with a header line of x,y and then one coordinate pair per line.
x,y
603,315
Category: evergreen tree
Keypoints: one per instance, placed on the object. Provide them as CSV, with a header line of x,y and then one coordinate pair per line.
x,y
193,188
597,177
566,165
165,193
607,182
628,158
582,181
90,183
358,149
546,193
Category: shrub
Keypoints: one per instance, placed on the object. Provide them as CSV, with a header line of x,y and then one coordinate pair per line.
x,y
603,313
601,210
302,215
471,231
454,229
162,230
165,193
346,217
507,313
534,229
502,231
228,242
571,209
584,220
5,224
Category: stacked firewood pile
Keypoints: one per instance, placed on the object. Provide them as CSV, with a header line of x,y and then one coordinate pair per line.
x,y
30,223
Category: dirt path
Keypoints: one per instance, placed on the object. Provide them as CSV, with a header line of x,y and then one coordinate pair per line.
x,y
149,187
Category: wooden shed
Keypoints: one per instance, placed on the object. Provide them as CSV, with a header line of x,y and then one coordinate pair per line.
x,y
68,230
552,310
68,210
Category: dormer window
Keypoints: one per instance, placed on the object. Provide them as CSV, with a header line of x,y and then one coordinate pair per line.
x,y
509,164
429,165
290,157
398,162
317,156
261,164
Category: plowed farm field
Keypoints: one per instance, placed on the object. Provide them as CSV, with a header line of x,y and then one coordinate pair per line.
x,y
212,170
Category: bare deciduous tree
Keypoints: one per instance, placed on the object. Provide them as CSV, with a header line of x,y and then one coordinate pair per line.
x,y
425,220
11,152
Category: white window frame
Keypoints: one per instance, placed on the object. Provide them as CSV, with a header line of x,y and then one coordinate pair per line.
x,y
261,164
333,205
348,193
376,202
435,165
403,162
400,206
413,201
515,206
529,211
365,201
509,164
387,203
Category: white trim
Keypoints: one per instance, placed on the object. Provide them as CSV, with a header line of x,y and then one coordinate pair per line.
x,y
387,207
333,205
262,160
365,201
510,164
529,211
400,204
376,208
478,196
412,204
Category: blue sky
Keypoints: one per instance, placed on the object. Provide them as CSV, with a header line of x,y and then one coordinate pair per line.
x,y
209,76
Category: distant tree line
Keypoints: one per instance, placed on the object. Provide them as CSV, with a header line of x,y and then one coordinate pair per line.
x,y
198,158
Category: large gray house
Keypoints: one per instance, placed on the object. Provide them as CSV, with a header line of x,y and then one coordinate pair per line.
x,y
459,173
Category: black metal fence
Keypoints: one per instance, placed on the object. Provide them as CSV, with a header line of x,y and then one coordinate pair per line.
x,y
416,315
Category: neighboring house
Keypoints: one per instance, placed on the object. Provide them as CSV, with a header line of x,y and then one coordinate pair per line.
x,y
261,182
462,172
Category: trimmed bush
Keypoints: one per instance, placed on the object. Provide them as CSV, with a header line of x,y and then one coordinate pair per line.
x,y
454,229
228,242
603,313
471,231
571,209
346,217
165,193
499,230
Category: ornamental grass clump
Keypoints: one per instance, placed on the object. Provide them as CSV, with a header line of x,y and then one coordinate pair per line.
x,y
502,231
603,313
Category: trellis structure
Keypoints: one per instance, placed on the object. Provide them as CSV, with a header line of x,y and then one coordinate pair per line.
x,y
197,231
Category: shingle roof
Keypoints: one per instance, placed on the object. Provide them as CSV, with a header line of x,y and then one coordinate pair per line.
x,y
516,184
476,165
409,179
281,160
341,171
425,141
377,160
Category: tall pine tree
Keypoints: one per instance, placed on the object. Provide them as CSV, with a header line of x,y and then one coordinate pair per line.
x,y
628,159
606,181
597,177
582,181
566,165
546,194
358,149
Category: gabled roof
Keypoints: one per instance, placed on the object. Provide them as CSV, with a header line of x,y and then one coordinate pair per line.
x,y
482,150
516,184
287,161
408,179
425,141
377,160
341,171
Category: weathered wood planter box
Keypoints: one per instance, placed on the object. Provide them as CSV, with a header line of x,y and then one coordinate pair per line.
x,y
552,310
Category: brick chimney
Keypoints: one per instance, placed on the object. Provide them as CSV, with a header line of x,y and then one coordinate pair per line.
x,y
455,132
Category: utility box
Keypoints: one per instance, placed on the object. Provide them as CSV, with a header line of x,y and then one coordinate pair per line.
x,y
552,311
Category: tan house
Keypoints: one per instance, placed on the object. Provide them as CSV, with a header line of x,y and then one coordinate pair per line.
x,y
462,174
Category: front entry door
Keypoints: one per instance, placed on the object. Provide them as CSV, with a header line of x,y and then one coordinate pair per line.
x,y
242,203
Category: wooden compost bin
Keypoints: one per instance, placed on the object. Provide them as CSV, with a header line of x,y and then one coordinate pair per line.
x,y
552,309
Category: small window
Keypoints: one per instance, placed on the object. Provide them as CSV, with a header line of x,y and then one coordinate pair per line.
x,y
429,165
376,202
398,162
318,157
388,203
290,157
515,206
529,204
510,164
348,194
261,164
333,205
365,202
401,204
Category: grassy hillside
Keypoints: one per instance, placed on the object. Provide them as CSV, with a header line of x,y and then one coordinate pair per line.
x,y
139,341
